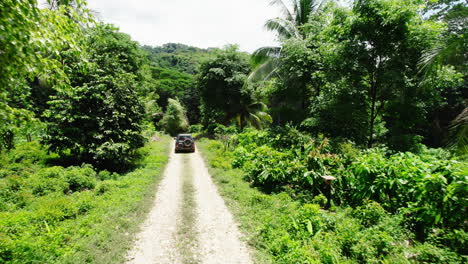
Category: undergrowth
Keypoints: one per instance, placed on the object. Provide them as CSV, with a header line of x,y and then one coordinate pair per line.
x,y
283,229
74,214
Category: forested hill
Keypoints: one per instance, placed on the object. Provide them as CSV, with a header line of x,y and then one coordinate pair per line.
x,y
177,56
173,69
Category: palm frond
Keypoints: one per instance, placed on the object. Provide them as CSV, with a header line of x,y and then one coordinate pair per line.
x,y
459,131
265,117
284,28
257,106
261,55
265,71
267,58
452,52
283,8
254,120
304,8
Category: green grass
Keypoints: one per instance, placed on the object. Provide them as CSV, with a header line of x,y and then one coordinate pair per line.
x,y
283,230
75,214
187,235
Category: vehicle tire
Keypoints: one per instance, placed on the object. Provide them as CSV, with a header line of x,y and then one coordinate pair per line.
x,y
188,143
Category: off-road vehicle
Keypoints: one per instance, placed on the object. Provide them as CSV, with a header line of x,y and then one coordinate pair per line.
x,y
184,143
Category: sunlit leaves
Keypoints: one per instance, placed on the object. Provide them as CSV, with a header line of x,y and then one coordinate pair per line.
x,y
32,41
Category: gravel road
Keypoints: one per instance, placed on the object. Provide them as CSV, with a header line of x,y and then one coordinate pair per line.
x,y
217,238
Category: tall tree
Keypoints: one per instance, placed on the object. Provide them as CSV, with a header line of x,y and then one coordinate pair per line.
x,y
99,120
220,82
386,39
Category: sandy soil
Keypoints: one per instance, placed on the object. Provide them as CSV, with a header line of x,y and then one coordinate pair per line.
x,y
218,238
218,233
157,239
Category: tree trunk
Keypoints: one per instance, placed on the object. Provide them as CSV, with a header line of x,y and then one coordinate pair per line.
x,y
373,112
241,121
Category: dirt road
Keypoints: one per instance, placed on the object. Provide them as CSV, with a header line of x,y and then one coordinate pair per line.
x,y
189,222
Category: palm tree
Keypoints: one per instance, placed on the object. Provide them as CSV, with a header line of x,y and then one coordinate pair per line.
x,y
252,113
459,131
451,51
288,26
452,48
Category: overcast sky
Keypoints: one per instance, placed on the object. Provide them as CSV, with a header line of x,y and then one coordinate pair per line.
x,y
200,23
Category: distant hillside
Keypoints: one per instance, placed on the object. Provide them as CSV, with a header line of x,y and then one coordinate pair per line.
x,y
177,56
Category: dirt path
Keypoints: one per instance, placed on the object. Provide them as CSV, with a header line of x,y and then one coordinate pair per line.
x,y
189,222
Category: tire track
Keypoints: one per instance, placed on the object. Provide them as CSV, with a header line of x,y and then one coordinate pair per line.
x,y
157,240
189,222
219,236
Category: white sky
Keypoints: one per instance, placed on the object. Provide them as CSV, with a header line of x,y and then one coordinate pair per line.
x,y
200,23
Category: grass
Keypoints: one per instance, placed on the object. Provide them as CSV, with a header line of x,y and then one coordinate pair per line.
x,y
187,235
236,192
75,214
283,230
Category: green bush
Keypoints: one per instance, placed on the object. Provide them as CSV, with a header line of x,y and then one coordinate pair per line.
x,y
80,179
277,168
369,214
28,152
431,192
175,120
429,188
195,128
427,253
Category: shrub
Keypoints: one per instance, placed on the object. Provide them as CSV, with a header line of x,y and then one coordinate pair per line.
x,y
267,168
369,214
175,119
195,128
219,161
80,178
427,253
429,193
28,152
74,214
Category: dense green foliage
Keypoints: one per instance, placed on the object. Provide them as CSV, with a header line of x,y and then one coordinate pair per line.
x,y
357,73
284,230
106,136
31,42
429,189
173,68
173,84
220,82
52,214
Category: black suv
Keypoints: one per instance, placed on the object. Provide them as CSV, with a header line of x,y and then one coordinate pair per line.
x,y
184,142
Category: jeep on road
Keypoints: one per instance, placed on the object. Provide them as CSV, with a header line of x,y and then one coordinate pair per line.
x,y
184,143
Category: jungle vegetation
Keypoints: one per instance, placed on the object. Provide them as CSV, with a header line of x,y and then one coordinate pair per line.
x,y
373,93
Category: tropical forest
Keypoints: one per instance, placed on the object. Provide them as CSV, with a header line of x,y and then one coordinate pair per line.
x,y
346,142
